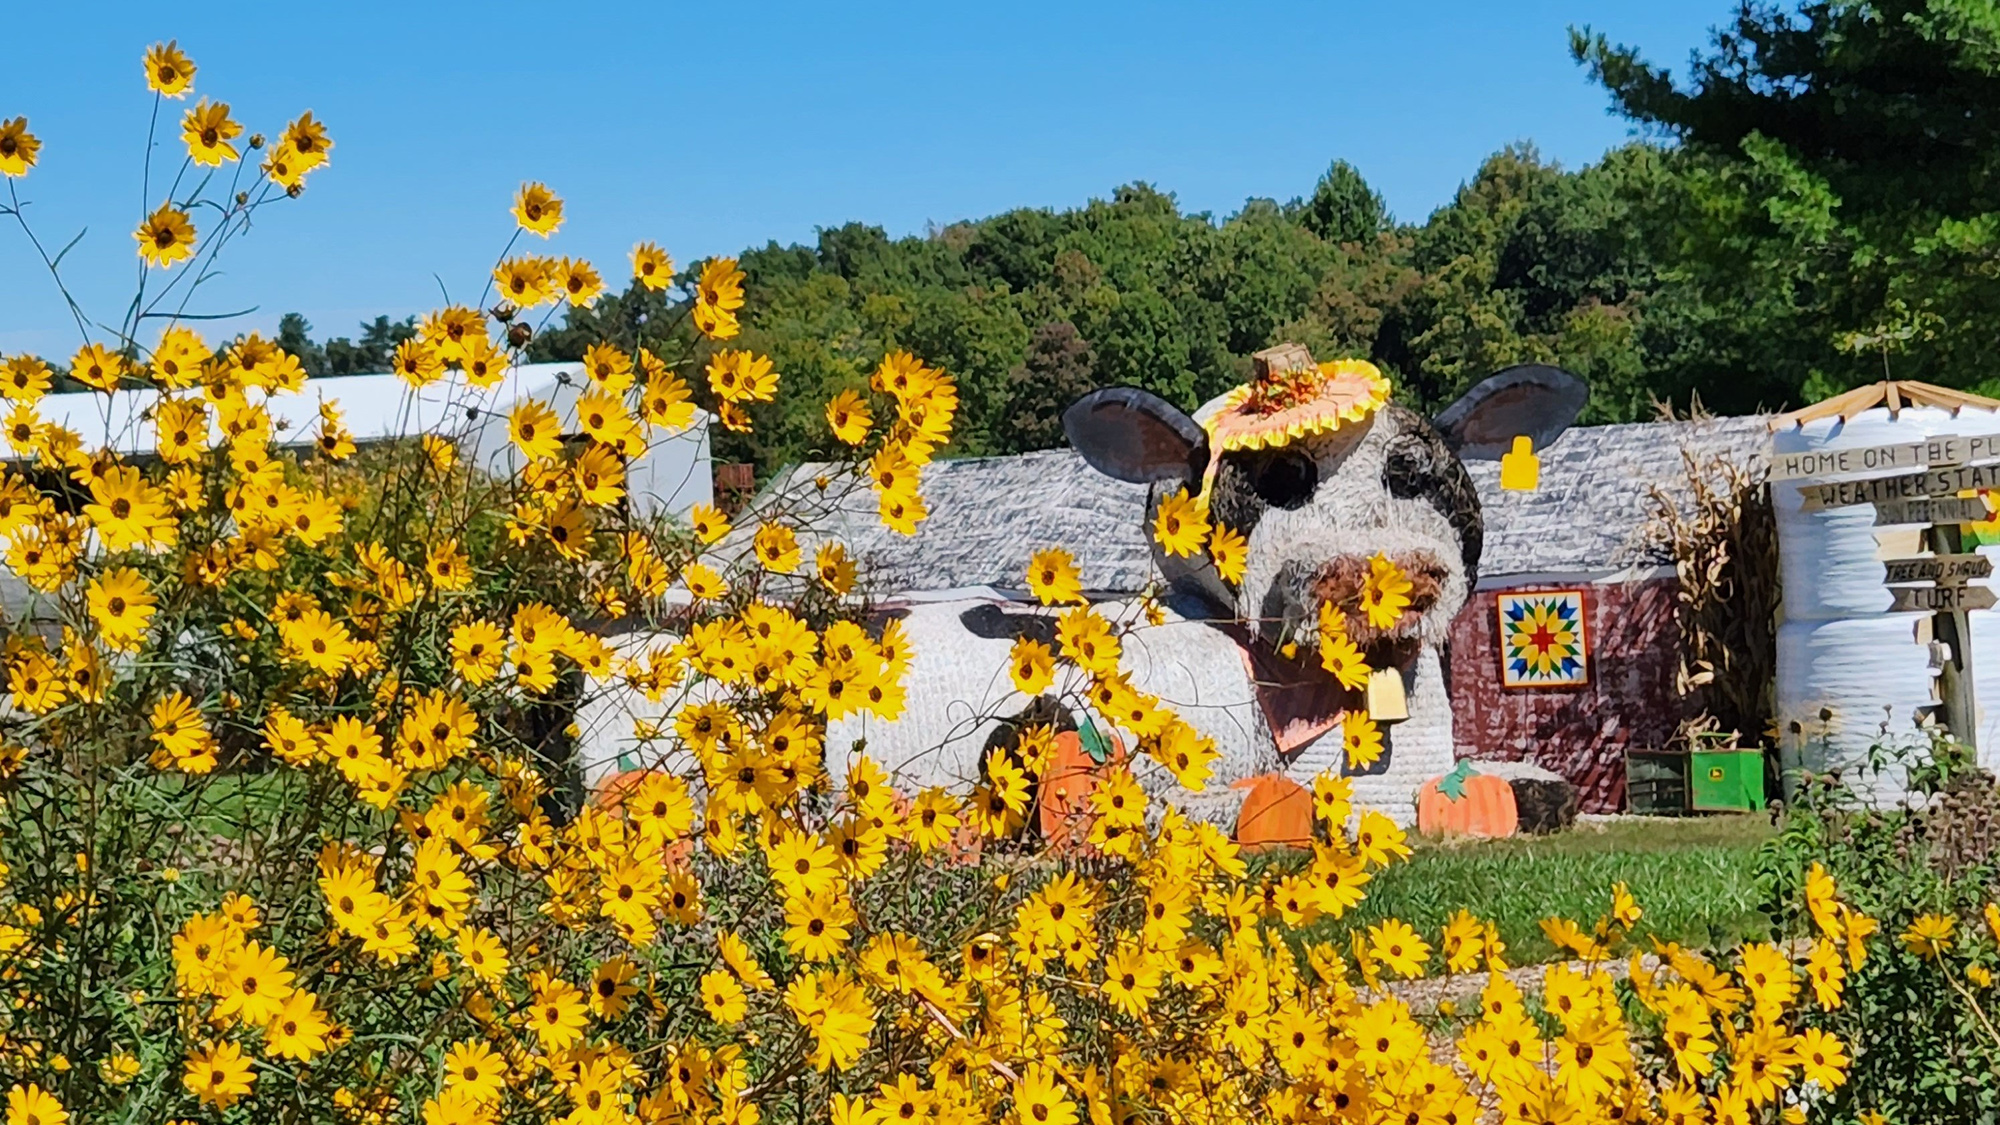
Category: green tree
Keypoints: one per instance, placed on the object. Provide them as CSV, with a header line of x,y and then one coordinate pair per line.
x,y
1837,182
1343,208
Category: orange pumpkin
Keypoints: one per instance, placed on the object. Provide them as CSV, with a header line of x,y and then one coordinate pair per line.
x,y
1277,812
610,793
1063,810
1484,805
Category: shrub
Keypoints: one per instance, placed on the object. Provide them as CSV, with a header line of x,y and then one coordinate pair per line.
x,y
1926,869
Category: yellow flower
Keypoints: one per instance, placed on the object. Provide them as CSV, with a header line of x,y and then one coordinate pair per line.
x,y
32,1105
1230,552
417,363
1179,526
537,209
299,1029
1131,979
1338,654
835,570
1053,577
717,295
168,70
740,376
24,378
477,650
1930,935
777,548
535,431
1040,1098
1395,944
208,130
121,603
475,1069
651,267
837,1013
1826,973
578,280
723,997
1032,666
1822,1058
97,367
703,583
307,141
1362,739
848,416
524,281
182,733
18,147
557,1013
218,1074
165,237
1385,594
1625,910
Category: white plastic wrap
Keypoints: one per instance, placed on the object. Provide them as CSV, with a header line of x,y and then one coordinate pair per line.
x,y
1845,685
1847,666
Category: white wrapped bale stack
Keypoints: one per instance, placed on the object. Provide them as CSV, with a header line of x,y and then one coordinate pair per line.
x,y
1851,673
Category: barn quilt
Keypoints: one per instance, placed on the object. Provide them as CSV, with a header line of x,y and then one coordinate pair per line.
x,y
1542,639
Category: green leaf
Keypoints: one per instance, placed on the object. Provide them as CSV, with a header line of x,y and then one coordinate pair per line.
x,y
1094,743
1452,785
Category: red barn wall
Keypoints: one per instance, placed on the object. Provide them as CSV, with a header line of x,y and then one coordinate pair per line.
x,y
1582,732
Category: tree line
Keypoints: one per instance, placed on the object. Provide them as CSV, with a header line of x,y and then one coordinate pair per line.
x,y
1811,204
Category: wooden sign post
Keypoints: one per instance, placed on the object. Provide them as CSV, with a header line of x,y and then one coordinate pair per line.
x,y
1919,482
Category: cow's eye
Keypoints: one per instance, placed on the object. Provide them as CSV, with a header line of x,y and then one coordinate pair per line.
x,y
1409,467
1285,479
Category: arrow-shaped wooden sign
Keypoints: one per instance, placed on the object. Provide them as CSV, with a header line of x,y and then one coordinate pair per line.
x,y
1944,570
1944,509
1936,483
1940,450
1940,599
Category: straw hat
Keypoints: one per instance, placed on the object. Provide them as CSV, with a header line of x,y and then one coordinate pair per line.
x,y
1291,397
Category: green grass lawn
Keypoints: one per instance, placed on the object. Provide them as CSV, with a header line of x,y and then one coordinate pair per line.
x,y
1693,877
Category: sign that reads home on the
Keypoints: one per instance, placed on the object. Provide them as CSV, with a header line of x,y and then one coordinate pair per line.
x,y
1944,449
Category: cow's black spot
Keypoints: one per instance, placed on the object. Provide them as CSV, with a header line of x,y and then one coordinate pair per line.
x,y
990,622
1418,465
878,619
1235,502
1284,478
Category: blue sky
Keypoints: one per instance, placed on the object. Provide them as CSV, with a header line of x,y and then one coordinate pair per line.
x,y
711,127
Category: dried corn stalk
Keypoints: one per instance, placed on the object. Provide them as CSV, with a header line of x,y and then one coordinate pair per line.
x,y
1723,540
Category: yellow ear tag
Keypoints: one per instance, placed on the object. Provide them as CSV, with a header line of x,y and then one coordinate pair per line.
x,y
1386,702
1521,470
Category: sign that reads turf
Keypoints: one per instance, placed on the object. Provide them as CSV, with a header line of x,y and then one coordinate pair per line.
x,y
1944,570
1950,509
1940,599
1944,449
1936,482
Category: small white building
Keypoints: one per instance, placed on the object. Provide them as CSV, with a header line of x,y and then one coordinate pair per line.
x,y
671,477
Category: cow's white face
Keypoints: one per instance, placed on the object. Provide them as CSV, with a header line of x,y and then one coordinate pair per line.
x,y
1317,509
1314,513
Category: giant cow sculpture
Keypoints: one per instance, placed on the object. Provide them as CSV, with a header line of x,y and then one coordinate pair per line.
x,y
1315,504
1314,509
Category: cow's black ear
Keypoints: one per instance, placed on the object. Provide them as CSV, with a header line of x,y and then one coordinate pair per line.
x,y
1532,399
1137,436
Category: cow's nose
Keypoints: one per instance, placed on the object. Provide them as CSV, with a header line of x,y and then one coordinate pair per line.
x,y
1427,576
1340,580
